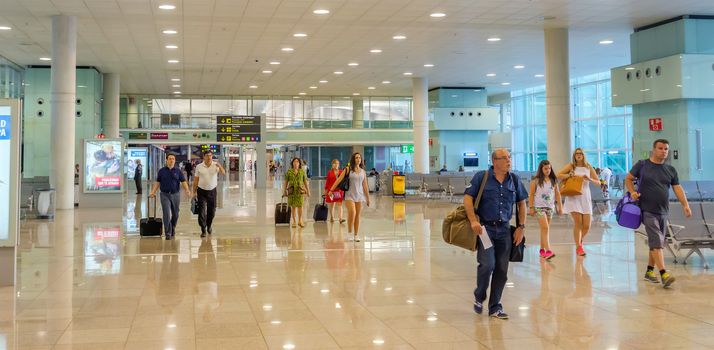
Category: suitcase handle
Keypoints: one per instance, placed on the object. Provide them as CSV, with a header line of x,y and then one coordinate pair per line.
x,y
323,200
148,207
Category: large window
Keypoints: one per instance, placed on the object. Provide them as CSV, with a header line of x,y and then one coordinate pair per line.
x,y
603,131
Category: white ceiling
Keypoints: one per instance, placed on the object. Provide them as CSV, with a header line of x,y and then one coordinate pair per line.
x,y
225,44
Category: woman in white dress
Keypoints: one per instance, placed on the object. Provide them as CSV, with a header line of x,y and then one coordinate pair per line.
x,y
579,207
357,194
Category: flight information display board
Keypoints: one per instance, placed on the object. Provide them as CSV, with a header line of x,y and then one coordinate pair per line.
x,y
237,128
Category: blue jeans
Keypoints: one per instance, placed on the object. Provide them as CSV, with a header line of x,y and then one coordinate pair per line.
x,y
170,208
493,266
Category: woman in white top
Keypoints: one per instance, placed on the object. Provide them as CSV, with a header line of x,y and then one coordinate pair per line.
x,y
579,207
357,194
543,200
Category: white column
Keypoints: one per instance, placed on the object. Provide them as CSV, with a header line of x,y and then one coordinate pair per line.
x,y
420,94
110,105
132,113
557,96
62,91
357,113
261,174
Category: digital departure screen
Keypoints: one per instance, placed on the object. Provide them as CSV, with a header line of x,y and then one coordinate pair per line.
x,y
234,128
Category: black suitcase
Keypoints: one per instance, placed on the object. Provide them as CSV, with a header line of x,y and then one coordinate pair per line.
x,y
320,213
282,213
151,226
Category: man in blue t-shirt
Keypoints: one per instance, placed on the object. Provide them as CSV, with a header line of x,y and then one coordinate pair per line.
x,y
494,212
170,179
653,181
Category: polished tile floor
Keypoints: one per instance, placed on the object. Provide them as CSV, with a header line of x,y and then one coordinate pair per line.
x,y
88,281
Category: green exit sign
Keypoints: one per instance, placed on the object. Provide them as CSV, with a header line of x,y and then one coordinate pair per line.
x,y
407,148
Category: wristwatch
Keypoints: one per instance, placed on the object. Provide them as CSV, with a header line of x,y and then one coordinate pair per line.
x,y
521,226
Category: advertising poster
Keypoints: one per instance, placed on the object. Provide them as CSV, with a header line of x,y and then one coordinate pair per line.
x,y
5,166
102,165
132,154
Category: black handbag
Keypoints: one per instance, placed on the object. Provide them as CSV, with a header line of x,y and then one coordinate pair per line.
x,y
194,206
345,183
517,250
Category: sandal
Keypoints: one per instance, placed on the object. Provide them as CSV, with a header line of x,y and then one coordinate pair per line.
x,y
301,224
293,225
342,221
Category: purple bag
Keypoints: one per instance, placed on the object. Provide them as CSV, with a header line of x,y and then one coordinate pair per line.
x,y
628,212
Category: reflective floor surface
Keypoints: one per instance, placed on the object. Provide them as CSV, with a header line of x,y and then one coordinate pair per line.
x,y
88,281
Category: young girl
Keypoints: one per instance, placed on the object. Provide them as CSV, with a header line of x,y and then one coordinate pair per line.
x,y
544,198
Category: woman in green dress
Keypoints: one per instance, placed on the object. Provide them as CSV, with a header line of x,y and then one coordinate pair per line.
x,y
296,188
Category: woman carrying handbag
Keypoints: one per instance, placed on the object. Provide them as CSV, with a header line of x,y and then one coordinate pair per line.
x,y
335,200
578,206
355,178
296,188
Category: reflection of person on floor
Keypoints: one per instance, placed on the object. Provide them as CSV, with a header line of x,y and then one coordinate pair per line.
x,y
168,293
206,281
578,307
544,324
335,248
296,261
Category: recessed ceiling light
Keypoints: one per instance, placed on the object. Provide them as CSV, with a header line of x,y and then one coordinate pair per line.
x,y
4,28
338,72
606,42
267,71
353,64
494,39
491,74
323,81
288,49
539,75
275,63
176,85
321,12
173,61
171,47
175,79
169,31
167,7
438,14
399,37
386,82
177,92
505,84
371,88
408,73
253,86
313,87
302,93
355,94
45,59
300,35
519,66
375,51
428,65
81,86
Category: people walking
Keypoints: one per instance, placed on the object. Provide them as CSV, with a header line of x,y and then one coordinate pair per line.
x,y
204,189
296,187
170,179
654,178
579,206
336,199
502,190
357,193
543,200
137,175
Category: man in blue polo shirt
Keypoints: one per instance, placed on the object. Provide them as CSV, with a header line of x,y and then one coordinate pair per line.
x,y
494,212
170,180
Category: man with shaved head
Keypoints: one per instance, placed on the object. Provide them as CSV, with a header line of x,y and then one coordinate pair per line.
x,y
495,209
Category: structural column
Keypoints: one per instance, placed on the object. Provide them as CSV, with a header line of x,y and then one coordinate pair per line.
x,y
557,96
132,113
62,91
420,93
110,105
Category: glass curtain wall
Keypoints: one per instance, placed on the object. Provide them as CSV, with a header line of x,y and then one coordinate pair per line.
x,y
283,112
10,79
603,131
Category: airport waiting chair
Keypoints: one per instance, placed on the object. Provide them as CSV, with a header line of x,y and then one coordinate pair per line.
x,y
693,233
457,187
431,185
599,199
706,190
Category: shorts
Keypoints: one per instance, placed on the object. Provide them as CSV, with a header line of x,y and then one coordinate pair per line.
x,y
655,226
544,212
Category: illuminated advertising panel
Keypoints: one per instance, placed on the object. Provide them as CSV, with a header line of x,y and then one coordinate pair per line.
x,y
5,155
132,155
103,165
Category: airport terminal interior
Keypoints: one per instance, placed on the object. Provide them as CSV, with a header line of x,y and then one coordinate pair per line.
x,y
98,96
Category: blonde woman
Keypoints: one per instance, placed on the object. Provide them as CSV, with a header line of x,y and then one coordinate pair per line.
x,y
579,207
296,188
357,194
337,196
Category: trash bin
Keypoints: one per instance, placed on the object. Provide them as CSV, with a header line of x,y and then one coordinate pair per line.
x,y
44,201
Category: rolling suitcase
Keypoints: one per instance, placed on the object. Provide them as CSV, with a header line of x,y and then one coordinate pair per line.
x,y
151,226
282,213
399,186
321,211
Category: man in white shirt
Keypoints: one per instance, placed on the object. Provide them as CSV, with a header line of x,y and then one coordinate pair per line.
x,y
204,189
605,175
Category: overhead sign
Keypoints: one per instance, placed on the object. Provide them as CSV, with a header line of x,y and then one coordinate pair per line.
x,y
234,128
655,124
407,148
138,136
